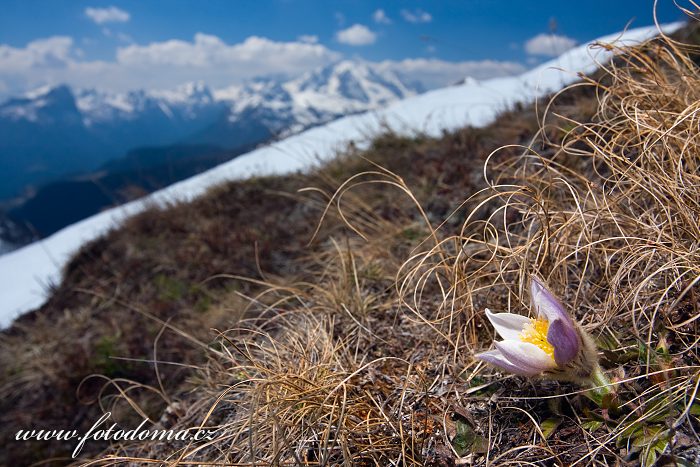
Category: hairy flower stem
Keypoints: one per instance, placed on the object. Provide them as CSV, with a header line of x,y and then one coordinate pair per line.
x,y
600,385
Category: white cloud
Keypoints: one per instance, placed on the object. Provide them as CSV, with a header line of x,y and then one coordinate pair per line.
x,y
50,60
166,64
356,34
157,65
434,73
308,39
111,14
416,16
51,52
380,17
549,45
258,55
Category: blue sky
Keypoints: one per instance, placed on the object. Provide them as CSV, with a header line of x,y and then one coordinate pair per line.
x,y
126,44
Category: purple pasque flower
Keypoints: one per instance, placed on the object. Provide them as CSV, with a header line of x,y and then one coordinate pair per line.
x,y
551,344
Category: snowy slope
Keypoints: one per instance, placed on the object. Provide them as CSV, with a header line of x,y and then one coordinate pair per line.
x,y
348,85
25,273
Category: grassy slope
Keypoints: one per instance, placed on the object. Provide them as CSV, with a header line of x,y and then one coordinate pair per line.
x,y
153,290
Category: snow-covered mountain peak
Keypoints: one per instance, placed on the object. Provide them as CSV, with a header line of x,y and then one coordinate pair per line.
x,y
318,96
183,102
193,93
44,106
99,106
229,93
353,80
38,92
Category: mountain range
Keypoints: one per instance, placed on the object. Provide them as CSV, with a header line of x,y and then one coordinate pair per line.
x,y
54,131
69,153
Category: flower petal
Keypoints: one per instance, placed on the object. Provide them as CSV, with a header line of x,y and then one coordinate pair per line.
x,y
565,340
496,358
525,355
562,333
508,325
546,304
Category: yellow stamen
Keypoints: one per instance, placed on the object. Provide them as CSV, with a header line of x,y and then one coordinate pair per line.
x,y
535,332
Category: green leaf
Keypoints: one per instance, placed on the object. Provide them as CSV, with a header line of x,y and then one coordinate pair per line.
x,y
549,426
695,409
464,438
596,397
592,425
629,433
467,440
656,448
659,411
646,435
650,458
